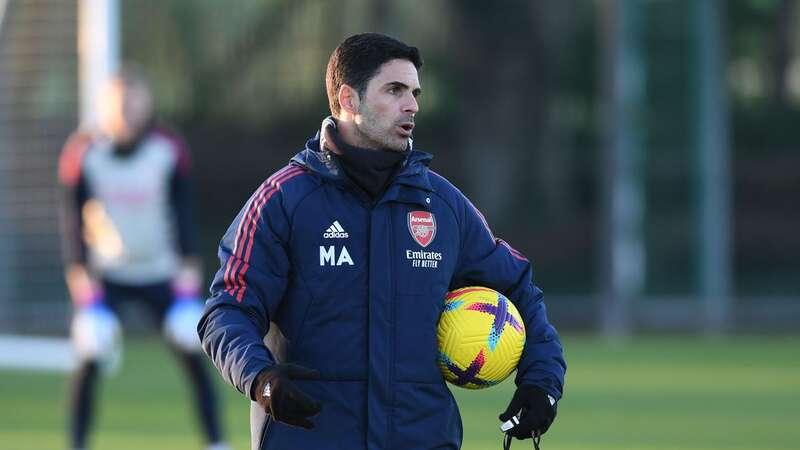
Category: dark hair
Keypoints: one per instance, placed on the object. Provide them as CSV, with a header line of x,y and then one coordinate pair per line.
x,y
358,58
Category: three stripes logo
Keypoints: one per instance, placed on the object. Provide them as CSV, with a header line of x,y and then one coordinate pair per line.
x,y
335,231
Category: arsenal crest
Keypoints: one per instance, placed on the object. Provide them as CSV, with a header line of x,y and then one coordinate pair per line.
x,y
422,226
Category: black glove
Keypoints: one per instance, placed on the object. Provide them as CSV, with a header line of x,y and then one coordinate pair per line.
x,y
537,412
280,397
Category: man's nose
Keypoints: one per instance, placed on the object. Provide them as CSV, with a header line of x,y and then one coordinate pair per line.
x,y
411,105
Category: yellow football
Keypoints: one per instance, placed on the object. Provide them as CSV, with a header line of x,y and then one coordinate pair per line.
x,y
481,337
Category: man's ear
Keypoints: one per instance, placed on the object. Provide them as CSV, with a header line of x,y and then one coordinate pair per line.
x,y
349,100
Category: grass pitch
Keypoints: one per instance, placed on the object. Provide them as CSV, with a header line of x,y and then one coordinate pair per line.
x,y
651,393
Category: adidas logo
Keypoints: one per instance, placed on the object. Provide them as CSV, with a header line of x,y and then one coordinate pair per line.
x,y
335,231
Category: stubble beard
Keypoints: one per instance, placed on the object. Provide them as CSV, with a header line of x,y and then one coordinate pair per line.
x,y
371,136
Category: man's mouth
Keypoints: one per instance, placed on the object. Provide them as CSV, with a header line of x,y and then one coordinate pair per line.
x,y
406,128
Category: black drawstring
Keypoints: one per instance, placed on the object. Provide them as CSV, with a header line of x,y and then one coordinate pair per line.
x,y
507,441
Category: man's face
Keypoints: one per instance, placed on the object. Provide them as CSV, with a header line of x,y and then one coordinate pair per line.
x,y
125,109
385,115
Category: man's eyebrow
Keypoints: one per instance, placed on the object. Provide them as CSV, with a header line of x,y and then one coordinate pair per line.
x,y
402,85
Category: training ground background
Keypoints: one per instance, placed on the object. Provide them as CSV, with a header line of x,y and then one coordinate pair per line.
x,y
653,393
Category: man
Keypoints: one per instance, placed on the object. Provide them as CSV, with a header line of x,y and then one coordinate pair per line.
x,y
127,235
323,259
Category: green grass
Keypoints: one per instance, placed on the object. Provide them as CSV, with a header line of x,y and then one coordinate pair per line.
x,y
651,393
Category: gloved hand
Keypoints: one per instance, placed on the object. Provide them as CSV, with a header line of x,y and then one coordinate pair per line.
x,y
538,412
282,399
187,282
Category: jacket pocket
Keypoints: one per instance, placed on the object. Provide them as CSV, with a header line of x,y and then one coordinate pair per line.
x,y
416,347
262,444
260,424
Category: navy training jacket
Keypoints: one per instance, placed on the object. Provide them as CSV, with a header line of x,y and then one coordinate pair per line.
x,y
354,288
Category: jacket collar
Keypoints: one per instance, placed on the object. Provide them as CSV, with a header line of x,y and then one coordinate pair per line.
x,y
413,174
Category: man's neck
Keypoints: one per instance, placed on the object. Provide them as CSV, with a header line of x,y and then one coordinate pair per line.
x,y
370,169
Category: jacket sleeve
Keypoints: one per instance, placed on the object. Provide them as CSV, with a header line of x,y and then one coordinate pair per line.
x,y
180,196
247,289
75,192
488,261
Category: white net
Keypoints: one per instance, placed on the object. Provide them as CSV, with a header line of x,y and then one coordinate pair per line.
x,y
38,110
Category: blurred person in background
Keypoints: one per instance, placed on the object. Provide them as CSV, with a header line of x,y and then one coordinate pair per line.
x,y
128,236
333,276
